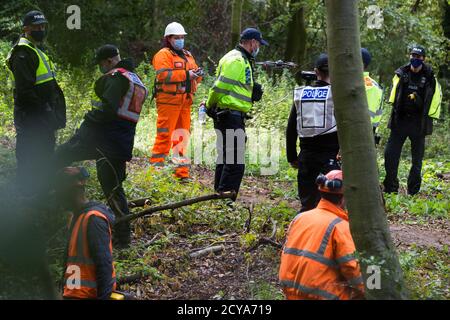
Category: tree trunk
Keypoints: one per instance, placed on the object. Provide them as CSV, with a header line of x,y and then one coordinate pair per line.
x,y
367,215
296,38
236,13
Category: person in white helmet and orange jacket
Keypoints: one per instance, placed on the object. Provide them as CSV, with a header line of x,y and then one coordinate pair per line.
x,y
177,78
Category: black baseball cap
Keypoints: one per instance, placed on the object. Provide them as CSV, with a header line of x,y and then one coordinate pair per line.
x,y
418,50
105,52
252,33
33,17
322,62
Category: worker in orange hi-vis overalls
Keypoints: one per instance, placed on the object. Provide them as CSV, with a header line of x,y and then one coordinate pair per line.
x,y
177,78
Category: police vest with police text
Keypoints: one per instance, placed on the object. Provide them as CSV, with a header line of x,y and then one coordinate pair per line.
x,y
315,111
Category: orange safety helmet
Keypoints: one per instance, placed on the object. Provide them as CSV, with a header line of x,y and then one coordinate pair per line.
x,y
332,182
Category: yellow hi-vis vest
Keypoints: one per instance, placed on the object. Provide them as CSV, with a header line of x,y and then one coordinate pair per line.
x,y
233,87
435,106
45,71
374,94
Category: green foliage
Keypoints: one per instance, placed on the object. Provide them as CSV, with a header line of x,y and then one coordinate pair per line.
x,y
427,272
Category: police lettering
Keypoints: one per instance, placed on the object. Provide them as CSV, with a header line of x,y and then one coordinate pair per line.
x,y
313,94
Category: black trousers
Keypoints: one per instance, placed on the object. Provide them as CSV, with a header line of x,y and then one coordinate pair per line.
x,y
231,139
393,152
311,164
34,150
111,173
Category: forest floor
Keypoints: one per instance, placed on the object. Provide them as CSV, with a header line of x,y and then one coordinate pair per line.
x,y
246,271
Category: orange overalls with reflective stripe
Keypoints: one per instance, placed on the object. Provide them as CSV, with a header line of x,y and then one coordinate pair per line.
x,y
317,261
79,261
174,96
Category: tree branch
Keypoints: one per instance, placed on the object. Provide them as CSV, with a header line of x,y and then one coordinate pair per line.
x,y
175,205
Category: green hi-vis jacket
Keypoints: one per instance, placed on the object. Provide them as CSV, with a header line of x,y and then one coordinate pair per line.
x,y
374,94
233,87
45,71
432,99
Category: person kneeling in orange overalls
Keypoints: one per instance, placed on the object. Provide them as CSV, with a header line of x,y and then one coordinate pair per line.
x,y
318,262
177,78
89,269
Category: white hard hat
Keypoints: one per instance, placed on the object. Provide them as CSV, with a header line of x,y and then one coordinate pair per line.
x,y
175,29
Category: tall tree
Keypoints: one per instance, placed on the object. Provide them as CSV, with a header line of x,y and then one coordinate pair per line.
x,y
236,14
296,37
367,215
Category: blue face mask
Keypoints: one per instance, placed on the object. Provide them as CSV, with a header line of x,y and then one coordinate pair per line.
x,y
416,62
178,44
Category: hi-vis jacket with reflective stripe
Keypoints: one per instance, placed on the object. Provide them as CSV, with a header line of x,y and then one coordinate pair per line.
x,y
233,87
131,104
45,71
172,81
317,261
374,94
79,261
431,101
315,111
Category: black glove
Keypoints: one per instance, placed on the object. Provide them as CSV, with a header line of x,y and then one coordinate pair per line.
x,y
257,92
212,112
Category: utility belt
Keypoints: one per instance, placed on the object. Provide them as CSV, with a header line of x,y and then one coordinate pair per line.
x,y
218,113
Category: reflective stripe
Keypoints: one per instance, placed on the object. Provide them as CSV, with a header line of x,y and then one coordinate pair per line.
x,y
89,284
356,281
163,70
183,166
158,164
309,290
159,156
169,77
311,255
345,259
235,82
327,234
232,94
97,104
374,114
47,66
162,130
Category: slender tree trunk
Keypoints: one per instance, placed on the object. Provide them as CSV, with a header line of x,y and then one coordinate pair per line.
x,y
296,38
368,221
236,14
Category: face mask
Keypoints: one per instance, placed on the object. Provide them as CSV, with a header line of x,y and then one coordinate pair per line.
x,y
415,62
38,36
178,44
255,52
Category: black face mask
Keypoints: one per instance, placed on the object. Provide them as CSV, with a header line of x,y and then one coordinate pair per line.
x,y
39,36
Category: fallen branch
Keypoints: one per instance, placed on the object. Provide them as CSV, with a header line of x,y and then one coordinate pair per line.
x,y
249,220
138,203
175,205
443,176
206,251
266,240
